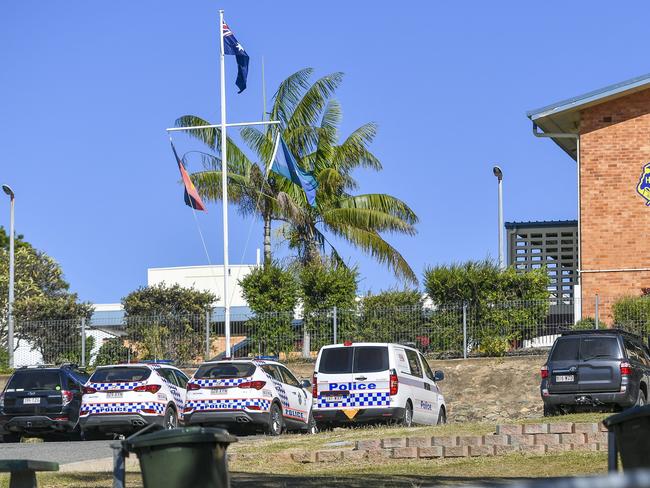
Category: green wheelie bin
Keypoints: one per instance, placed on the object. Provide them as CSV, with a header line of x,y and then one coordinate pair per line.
x,y
190,456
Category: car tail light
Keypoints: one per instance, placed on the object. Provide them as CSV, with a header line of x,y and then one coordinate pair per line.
x,y
544,372
62,419
347,343
66,396
148,410
148,388
253,407
393,382
314,386
88,390
626,369
187,409
258,385
193,386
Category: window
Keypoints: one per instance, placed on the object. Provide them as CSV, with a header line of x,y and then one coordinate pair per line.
x,y
225,370
168,375
35,380
599,347
414,364
336,360
566,349
289,378
370,359
273,371
427,368
181,377
120,375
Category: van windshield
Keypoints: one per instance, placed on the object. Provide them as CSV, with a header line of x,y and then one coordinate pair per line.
x,y
346,359
586,348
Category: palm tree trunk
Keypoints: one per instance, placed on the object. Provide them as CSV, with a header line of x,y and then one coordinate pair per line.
x,y
267,239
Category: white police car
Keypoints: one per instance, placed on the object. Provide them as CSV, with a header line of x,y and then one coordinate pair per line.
x,y
369,382
124,398
256,393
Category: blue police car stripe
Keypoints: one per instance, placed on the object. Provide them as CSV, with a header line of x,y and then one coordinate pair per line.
x,y
121,407
209,383
130,385
229,404
374,399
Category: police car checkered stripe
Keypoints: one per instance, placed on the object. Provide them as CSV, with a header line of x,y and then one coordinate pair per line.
x,y
122,407
378,399
235,404
209,383
116,386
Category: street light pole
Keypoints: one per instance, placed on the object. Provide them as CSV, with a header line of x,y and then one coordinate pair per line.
x,y
499,174
10,319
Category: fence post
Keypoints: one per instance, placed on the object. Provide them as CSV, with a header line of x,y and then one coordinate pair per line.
x,y
207,335
334,323
596,313
83,342
465,330
306,341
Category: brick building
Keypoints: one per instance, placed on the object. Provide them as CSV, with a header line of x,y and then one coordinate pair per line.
x,y
607,133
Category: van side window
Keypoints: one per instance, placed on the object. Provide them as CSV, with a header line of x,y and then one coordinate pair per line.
x,y
414,364
402,363
427,368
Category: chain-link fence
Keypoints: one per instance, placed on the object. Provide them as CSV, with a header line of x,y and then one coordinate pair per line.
x,y
450,331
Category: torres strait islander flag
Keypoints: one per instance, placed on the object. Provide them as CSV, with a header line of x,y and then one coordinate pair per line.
x,y
192,198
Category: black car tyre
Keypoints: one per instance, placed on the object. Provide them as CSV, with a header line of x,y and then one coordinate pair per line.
x,y
641,399
171,421
276,424
12,437
442,417
407,420
550,411
312,426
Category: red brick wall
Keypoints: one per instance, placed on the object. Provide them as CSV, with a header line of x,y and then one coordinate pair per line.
x,y
615,221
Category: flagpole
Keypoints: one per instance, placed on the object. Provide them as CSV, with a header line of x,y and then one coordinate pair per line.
x,y
224,189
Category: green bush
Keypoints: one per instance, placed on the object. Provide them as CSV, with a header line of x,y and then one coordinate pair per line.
x,y
391,316
633,314
587,323
112,351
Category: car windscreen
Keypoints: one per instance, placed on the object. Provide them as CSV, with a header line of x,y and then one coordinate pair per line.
x,y
120,375
346,359
35,380
585,348
225,370
599,348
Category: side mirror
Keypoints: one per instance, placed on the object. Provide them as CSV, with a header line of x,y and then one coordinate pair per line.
x,y
438,376
305,384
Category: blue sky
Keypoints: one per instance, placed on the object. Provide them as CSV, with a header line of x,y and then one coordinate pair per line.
x,y
87,89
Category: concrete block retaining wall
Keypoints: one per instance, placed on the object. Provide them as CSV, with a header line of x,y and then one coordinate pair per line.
x,y
528,438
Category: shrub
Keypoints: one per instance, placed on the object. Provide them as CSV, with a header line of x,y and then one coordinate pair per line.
x,y
584,324
633,314
112,351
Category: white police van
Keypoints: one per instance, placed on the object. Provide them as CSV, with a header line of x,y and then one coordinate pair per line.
x,y
369,382
124,398
248,392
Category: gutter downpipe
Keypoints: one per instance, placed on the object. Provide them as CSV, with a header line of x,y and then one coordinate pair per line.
x,y
569,135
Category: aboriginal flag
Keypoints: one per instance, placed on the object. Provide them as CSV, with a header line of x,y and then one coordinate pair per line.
x,y
192,198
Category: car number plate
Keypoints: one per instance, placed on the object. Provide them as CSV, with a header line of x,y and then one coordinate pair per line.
x,y
114,394
219,391
31,401
564,378
334,398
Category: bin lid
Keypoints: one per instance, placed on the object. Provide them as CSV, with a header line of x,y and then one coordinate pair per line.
x,y
629,414
186,435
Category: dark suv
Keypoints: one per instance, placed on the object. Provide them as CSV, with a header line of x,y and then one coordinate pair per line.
x,y
606,368
41,400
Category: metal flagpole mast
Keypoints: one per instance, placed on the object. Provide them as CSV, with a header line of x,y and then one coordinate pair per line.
x,y
224,189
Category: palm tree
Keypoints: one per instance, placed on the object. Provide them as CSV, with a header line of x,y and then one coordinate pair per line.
x,y
309,121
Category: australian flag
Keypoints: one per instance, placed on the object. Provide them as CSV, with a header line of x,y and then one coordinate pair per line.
x,y
285,164
231,46
192,198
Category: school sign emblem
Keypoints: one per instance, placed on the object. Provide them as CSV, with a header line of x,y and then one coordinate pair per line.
x,y
643,188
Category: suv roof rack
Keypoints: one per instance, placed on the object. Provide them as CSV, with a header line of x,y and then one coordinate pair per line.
x,y
603,331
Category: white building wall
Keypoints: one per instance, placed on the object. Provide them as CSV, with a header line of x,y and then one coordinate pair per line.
x,y
205,278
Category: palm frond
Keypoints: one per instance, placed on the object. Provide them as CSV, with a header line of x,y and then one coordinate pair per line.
x,y
353,152
288,95
381,202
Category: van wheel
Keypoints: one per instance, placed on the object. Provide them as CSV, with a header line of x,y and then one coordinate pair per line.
x,y
442,417
275,420
407,420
